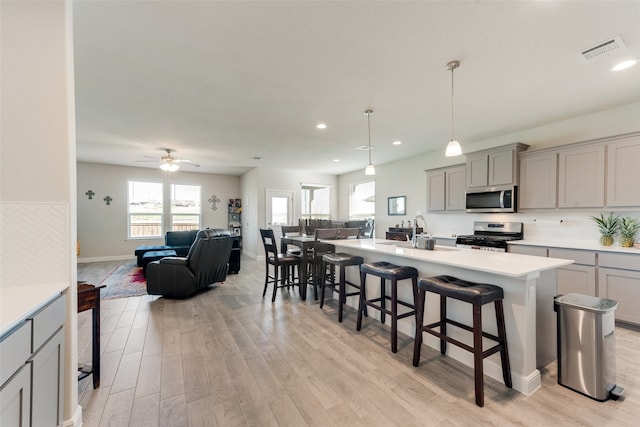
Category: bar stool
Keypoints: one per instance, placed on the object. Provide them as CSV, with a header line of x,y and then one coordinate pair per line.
x,y
387,271
341,260
476,294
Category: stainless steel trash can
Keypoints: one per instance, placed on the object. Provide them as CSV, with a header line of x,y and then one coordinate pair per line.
x,y
586,344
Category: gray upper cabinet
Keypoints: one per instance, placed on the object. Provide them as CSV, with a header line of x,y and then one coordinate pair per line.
x,y
477,170
623,159
498,166
446,189
581,177
538,177
592,174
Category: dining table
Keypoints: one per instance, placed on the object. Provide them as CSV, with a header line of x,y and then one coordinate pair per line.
x,y
305,243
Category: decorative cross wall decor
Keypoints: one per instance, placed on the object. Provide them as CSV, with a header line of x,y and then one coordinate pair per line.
x,y
108,199
214,202
90,194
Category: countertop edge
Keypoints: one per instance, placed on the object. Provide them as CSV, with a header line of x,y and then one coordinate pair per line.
x,y
577,245
485,261
17,303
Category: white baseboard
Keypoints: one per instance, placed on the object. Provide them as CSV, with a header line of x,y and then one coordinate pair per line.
x,y
75,420
108,258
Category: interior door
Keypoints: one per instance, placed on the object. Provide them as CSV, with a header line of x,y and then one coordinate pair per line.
x,y
279,210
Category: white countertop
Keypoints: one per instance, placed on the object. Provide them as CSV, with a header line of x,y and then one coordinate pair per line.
x,y
501,263
576,244
18,302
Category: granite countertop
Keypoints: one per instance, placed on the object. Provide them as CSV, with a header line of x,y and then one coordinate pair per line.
x,y
19,302
576,244
500,263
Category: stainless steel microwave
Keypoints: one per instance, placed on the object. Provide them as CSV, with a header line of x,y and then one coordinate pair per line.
x,y
492,199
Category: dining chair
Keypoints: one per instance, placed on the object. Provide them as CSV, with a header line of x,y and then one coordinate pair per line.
x,y
284,264
319,250
288,231
348,233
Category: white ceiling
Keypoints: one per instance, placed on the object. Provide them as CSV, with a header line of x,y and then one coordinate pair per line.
x,y
223,81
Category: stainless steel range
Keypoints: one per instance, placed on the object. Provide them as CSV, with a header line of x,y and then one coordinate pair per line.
x,y
491,236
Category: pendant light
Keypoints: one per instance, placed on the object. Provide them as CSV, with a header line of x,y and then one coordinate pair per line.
x,y
453,147
370,170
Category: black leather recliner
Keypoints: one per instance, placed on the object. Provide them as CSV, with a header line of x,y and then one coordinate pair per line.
x,y
206,263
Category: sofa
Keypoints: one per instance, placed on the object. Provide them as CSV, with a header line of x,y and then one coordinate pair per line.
x,y
179,241
206,263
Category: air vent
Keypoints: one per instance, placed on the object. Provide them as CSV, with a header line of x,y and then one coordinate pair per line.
x,y
606,47
363,148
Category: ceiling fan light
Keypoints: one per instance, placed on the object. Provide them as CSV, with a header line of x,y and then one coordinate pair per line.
x,y
169,167
370,170
453,149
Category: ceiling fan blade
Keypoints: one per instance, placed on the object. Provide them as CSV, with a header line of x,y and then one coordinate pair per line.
x,y
147,161
186,161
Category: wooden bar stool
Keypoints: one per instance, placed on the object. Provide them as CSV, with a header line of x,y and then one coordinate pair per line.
x,y
387,271
476,294
341,260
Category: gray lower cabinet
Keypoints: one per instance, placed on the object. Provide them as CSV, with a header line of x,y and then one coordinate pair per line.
x,y
579,277
619,280
15,377
32,369
47,395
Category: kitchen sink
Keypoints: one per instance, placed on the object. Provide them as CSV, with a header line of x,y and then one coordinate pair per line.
x,y
407,245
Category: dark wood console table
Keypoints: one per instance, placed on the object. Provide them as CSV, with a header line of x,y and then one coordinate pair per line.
x,y
89,299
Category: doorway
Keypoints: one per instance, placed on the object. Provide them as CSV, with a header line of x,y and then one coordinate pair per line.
x,y
279,210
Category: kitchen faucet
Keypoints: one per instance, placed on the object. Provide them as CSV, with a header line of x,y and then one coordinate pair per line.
x,y
414,237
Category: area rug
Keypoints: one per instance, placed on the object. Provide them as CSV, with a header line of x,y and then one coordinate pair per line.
x,y
125,281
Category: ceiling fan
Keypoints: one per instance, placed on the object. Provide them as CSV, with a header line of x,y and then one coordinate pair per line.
x,y
169,163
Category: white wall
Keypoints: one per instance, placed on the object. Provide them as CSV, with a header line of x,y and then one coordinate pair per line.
x,y
407,177
37,152
102,228
249,192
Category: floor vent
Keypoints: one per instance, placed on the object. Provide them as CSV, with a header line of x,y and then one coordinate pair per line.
x,y
606,47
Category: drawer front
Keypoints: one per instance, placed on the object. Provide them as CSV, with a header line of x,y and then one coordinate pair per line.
x,y
580,257
15,349
528,250
625,261
47,321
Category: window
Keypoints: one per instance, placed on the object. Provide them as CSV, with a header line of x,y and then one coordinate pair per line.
x,y
185,207
145,209
316,201
362,201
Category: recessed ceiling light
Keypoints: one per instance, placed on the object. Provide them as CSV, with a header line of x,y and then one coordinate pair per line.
x,y
321,126
624,65
336,160
397,142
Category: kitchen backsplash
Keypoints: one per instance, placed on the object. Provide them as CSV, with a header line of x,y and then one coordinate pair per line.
x,y
573,226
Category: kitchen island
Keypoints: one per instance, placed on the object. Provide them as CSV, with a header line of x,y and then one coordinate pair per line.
x,y
529,315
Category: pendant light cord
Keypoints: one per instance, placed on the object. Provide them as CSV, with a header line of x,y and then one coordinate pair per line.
x,y
453,136
369,126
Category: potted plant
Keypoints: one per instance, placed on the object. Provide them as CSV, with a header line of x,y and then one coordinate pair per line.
x,y
608,227
628,229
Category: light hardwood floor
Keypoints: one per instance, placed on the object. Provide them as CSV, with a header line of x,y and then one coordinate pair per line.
x,y
228,357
